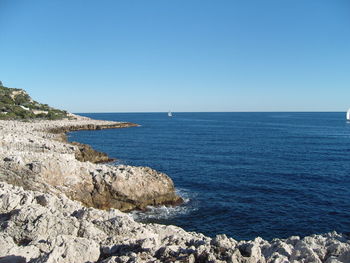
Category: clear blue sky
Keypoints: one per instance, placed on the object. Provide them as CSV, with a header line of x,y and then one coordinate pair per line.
x,y
183,55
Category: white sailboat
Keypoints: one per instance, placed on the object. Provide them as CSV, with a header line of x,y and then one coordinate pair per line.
x,y
170,114
348,115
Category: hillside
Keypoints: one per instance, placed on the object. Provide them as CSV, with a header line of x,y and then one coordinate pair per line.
x,y
17,104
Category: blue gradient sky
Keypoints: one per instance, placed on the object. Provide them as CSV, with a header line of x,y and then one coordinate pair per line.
x,y
184,55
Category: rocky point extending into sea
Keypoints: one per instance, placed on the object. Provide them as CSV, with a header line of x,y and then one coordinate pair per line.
x,y
36,156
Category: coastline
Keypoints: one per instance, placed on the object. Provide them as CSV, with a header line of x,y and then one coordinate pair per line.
x,y
37,156
85,153
41,223
41,227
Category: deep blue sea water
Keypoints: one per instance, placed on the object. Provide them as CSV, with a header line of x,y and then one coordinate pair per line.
x,y
243,174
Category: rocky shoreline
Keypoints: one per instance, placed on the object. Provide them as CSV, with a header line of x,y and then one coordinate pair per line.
x,y
41,227
36,156
52,193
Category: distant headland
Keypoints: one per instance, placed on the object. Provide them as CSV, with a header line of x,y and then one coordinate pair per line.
x,y
16,104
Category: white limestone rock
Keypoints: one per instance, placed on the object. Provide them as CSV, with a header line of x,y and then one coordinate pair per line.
x,y
42,227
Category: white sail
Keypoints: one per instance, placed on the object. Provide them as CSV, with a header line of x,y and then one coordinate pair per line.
x,y
170,114
348,115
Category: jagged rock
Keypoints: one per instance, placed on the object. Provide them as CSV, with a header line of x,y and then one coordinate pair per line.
x,y
42,227
68,249
85,153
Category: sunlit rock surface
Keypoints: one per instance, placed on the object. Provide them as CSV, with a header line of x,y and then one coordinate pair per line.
x,y
41,227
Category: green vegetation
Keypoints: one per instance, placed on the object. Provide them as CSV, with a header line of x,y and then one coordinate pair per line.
x,y
16,104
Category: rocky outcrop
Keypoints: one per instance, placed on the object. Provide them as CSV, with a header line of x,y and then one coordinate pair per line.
x,y
36,156
41,227
85,153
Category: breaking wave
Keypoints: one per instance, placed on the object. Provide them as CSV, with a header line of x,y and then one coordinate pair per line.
x,y
159,213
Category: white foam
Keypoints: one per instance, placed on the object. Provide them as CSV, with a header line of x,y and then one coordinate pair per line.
x,y
166,212
118,162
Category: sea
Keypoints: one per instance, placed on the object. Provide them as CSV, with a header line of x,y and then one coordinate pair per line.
x,y
272,174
